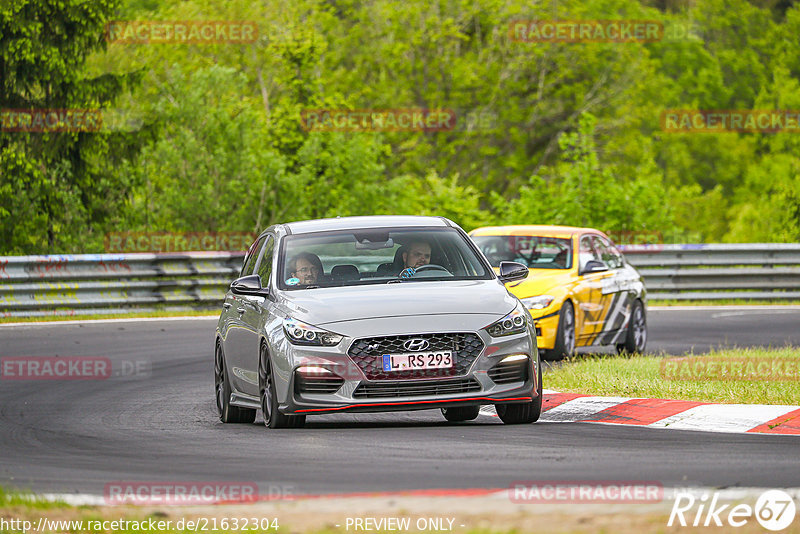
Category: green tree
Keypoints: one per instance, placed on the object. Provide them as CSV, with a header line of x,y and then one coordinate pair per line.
x,y
55,193
580,191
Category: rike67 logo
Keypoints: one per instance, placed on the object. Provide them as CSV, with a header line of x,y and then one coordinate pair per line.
x,y
774,510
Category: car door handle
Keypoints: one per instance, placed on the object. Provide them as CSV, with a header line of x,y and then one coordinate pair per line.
x,y
240,310
226,305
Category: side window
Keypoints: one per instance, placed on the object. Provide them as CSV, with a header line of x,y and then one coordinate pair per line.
x,y
609,253
605,252
252,256
587,252
265,265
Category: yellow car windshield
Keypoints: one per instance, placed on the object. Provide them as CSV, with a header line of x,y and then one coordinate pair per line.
x,y
537,252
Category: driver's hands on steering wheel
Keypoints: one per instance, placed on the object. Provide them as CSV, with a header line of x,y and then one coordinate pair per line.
x,y
409,272
431,266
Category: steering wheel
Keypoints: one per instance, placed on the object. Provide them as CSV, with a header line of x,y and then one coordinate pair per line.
x,y
431,267
409,272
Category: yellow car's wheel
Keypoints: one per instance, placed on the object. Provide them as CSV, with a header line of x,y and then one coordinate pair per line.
x,y
636,336
565,335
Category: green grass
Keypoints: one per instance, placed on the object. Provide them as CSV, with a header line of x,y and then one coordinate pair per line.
x,y
13,499
641,376
127,315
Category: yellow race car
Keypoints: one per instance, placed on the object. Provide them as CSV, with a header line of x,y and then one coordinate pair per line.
x,y
580,291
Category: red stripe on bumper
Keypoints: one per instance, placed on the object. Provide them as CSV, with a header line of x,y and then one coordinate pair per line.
x,y
785,424
642,411
410,403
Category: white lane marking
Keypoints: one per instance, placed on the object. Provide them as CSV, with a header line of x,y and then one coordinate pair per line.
x,y
745,307
723,417
581,408
753,312
74,499
105,321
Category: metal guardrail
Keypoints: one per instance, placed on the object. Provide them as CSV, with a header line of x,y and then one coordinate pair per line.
x,y
109,283
763,271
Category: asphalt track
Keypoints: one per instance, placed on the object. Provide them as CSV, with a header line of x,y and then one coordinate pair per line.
x,y
77,436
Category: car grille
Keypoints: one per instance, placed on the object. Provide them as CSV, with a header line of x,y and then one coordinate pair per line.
x,y
417,388
366,352
503,373
325,384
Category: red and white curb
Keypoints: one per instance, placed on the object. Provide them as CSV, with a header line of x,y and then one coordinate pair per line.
x,y
669,414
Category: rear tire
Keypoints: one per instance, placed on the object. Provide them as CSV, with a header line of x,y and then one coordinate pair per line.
x,y
462,413
636,337
227,412
565,336
269,397
524,412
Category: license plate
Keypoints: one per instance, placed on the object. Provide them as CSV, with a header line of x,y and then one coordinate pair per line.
x,y
417,360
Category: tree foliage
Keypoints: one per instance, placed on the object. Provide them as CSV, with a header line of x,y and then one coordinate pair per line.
x,y
58,188
546,132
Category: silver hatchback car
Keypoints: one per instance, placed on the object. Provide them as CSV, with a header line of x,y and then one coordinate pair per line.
x,y
373,314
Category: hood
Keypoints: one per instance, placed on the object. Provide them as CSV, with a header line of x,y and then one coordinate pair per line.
x,y
340,304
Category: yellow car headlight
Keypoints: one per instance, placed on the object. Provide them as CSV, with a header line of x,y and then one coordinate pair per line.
x,y
539,302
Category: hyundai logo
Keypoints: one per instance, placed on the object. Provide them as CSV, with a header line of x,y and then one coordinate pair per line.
x,y
416,345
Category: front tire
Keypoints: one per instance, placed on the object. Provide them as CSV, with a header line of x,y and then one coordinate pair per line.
x,y
222,386
565,336
524,412
636,337
269,397
462,413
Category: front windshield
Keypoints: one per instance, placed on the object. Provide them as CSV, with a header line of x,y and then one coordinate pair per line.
x,y
377,256
537,252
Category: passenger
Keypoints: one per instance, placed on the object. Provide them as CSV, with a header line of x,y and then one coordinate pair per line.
x,y
306,267
560,259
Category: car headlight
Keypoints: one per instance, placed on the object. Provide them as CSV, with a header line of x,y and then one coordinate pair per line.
x,y
513,323
539,302
300,333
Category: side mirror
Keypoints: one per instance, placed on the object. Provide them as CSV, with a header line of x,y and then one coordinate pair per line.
x,y
249,285
511,271
594,266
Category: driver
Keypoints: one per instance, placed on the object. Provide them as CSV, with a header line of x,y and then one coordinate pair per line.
x,y
417,255
307,267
